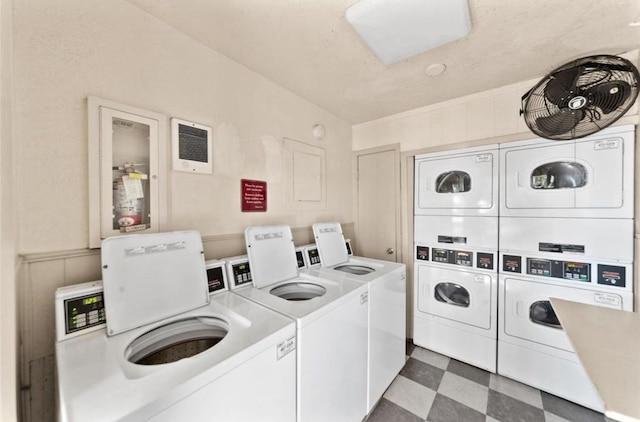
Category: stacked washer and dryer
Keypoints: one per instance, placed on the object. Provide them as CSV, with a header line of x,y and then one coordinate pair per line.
x,y
566,231
455,254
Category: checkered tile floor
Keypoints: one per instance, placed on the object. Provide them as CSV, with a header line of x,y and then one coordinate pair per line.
x,y
436,388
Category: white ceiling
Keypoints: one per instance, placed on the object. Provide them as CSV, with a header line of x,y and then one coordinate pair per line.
x,y
308,47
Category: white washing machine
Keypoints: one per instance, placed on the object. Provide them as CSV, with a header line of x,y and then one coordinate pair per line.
x,y
591,177
170,350
331,321
458,182
583,260
455,288
386,282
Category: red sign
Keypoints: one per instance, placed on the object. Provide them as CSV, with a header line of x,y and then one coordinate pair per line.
x,y
254,195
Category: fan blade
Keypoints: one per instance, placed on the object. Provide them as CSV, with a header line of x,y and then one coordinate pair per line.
x,y
608,96
561,122
560,85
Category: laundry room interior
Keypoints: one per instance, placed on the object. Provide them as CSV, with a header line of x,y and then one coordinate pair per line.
x,y
314,135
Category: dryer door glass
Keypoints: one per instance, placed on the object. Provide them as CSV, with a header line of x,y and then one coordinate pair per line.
x,y
541,312
454,181
559,175
453,294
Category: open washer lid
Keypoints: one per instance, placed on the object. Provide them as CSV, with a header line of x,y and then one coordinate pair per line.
x,y
150,277
331,244
272,255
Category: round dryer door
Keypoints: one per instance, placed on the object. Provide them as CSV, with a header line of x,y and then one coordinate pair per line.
x,y
453,294
541,312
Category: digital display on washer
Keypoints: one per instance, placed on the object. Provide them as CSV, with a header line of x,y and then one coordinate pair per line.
x,y
463,258
568,270
440,255
84,312
450,256
577,271
314,257
241,273
215,278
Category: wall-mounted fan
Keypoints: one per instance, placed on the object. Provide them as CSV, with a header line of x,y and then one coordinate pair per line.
x,y
581,97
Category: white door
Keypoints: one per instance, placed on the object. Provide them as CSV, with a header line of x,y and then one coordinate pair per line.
x,y
378,202
456,182
457,295
528,314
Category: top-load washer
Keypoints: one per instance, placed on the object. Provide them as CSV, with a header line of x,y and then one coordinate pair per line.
x,y
170,350
386,282
331,319
591,177
459,182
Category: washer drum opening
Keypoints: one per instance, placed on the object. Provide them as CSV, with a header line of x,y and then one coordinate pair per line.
x,y
177,340
298,291
354,269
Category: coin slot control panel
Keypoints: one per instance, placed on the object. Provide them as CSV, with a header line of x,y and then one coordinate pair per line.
x,y
314,256
422,253
215,278
612,275
484,260
454,257
241,273
512,263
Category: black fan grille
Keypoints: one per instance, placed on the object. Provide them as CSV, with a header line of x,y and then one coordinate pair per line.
x,y
608,86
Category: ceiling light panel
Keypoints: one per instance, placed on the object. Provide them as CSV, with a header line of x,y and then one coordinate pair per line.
x,y
398,29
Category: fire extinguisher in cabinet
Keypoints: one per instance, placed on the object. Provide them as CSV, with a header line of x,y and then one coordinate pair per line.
x,y
128,197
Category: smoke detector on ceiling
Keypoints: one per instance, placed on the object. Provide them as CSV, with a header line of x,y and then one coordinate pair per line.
x,y
396,30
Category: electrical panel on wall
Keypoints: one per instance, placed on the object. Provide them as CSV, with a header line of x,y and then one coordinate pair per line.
x,y
191,147
305,169
127,189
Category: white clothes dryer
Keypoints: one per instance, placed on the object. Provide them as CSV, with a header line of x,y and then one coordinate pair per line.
x,y
386,282
457,182
331,319
456,288
591,177
583,260
170,351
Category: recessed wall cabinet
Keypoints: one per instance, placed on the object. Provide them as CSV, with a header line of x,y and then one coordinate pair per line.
x,y
127,170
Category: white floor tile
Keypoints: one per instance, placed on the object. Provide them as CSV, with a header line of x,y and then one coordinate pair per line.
x,y
414,397
464,391
432,358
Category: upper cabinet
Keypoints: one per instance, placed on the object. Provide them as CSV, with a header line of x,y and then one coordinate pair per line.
x,y
127,170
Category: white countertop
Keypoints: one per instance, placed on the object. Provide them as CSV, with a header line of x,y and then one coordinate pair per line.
x,y
607,342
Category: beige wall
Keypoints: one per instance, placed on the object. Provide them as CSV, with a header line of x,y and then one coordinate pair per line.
x,y
8,224
66,50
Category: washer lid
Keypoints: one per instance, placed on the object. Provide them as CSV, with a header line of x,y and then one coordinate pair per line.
x,y
150,277
331,244
272,255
